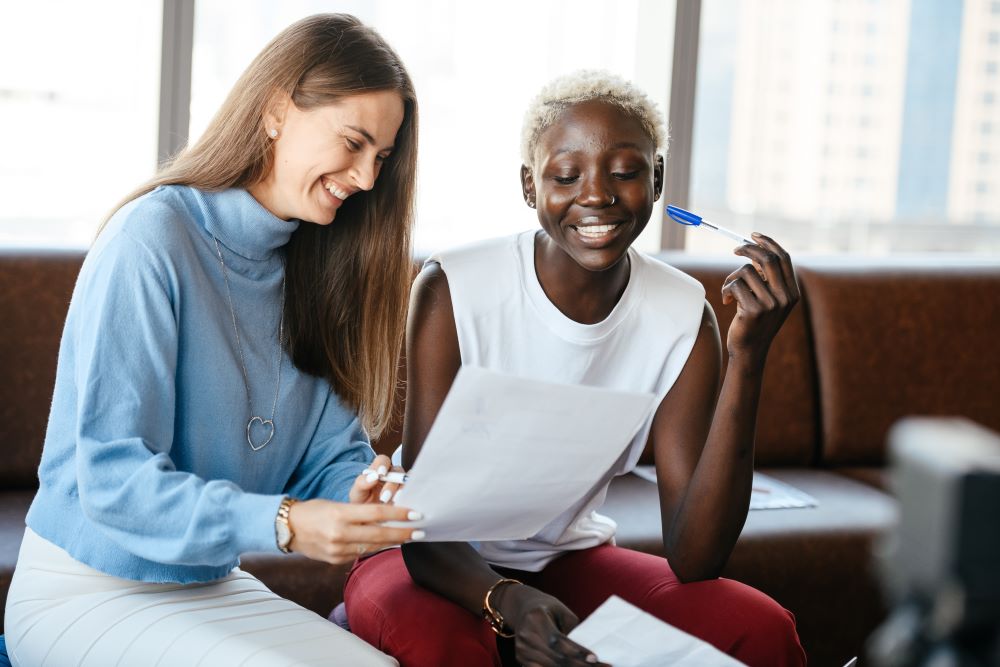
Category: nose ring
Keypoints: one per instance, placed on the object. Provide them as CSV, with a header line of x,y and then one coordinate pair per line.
x,y
613,200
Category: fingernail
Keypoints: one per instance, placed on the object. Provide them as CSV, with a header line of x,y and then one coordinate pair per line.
x,y
385,495
367,471
591,658
382,470
418,535
756,234
414,516
372,476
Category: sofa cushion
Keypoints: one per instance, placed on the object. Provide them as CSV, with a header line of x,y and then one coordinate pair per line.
x,y
35,289
814,561
876,476
787,419
899,338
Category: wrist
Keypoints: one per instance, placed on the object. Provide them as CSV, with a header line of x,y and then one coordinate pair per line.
x,y
509,601
495,609
746,363
284,533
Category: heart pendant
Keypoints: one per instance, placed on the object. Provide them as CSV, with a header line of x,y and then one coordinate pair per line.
x,y
263,422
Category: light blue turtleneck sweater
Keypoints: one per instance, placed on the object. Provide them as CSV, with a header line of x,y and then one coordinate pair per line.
x,y
146,472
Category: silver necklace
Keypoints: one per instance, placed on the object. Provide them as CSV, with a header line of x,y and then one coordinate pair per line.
x,y
266,423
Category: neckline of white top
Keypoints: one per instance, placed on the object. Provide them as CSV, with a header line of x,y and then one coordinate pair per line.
x,y
554,318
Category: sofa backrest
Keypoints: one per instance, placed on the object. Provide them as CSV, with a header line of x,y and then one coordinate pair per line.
x,y
897,337
35,289
872,340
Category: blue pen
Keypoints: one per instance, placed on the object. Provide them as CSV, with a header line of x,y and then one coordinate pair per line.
x,y
691,220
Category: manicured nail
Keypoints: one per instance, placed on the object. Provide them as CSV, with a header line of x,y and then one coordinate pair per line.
x,y
382,470
418,535
372,477
385,495
591,658
367,471
414,516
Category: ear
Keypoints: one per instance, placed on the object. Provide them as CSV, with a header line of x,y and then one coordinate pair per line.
x,y
658,178
277,107
528,185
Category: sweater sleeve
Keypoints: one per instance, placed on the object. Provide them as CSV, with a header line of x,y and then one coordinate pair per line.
x,y
126,344
336,455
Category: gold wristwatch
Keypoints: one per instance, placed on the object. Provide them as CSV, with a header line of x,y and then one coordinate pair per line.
x,y
282,529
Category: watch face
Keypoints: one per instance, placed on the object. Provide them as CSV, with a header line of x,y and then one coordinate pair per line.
x,y
283,533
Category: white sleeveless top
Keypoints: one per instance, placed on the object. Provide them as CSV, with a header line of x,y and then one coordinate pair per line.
x,y
506,323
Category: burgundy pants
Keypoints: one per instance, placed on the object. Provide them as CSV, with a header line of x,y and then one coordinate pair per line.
x,y
422,629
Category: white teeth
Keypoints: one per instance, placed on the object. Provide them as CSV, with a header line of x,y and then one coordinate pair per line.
x,y
593,231
338,193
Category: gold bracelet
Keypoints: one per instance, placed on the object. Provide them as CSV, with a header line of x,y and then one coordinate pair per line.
x,y
492,616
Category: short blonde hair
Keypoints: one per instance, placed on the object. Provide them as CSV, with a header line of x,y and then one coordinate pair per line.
x,y
581,86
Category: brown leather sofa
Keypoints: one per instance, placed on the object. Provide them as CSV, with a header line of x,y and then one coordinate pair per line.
x,y
872,340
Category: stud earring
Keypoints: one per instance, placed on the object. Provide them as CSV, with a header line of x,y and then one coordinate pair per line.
x,y
531,203
273,133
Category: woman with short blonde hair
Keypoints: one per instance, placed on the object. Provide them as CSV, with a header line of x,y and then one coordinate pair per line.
x,y
573,302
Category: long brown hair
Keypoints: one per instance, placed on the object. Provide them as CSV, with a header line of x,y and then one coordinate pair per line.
x,y
346,283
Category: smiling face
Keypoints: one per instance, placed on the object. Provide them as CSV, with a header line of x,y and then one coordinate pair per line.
x,y
594,179
324,155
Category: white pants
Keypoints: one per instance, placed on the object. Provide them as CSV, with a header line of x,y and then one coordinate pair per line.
x,y
61,613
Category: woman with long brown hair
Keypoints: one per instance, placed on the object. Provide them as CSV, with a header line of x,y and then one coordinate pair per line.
x,y
229,348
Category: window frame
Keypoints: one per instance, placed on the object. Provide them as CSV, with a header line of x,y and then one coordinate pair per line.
x,y
175,98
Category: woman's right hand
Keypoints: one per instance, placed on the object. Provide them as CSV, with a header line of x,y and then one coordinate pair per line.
x,y
540,623
340,532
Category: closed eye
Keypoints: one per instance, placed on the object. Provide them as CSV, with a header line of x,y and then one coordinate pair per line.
x,y
625,176
564,180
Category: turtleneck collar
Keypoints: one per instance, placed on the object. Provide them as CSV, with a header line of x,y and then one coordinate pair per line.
x,y
244,226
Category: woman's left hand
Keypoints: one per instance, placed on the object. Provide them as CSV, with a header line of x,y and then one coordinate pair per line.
x,y
367,487
765,292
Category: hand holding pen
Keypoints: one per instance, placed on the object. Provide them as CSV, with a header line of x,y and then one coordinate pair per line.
x,y
765,290
389,479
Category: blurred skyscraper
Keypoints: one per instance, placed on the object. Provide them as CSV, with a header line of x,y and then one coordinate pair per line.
x,y
974,186
868,114
932,63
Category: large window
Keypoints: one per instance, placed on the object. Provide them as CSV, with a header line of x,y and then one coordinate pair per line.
x,y
79,87
475,66
868,126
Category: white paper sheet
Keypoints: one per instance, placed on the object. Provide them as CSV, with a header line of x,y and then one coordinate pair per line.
x,y
622,635
768,493
507,455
